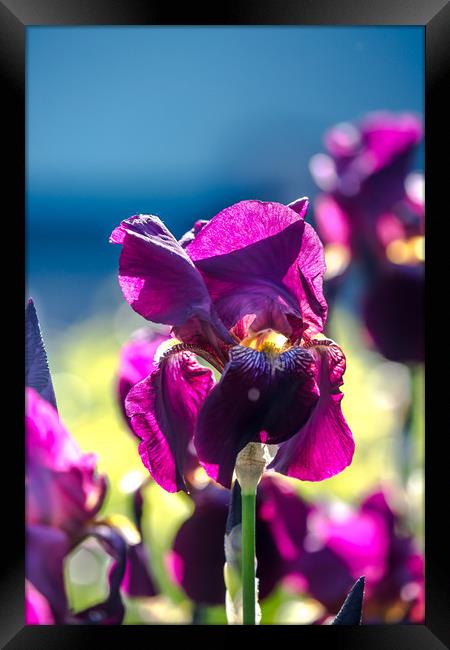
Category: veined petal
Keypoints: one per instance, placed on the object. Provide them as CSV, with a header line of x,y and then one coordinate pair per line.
x,y
157,277
259,397
260,257
324,446
163,410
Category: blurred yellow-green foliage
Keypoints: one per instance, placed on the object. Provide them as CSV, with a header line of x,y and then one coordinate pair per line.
x,y
377,395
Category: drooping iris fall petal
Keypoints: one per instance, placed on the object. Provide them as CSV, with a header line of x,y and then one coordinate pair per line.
x,y
258,392
163,409
324,446
260,257
63,489
157,278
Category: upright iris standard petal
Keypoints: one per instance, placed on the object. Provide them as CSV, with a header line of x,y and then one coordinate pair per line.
x,y
137,361
63,489
260,258
259,397
324,446
163,409
157,278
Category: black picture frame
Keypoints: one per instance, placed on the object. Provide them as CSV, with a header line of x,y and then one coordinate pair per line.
x,y
434,16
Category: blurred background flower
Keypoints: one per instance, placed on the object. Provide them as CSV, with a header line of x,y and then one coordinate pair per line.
x,y
128,120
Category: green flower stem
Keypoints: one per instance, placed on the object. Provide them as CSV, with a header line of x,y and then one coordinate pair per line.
x,y
248,557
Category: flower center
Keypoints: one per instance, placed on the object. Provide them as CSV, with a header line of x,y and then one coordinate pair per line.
x,y
269,341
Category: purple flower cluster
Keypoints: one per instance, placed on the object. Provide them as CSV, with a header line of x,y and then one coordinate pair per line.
x,y
371,211
310,550
64,495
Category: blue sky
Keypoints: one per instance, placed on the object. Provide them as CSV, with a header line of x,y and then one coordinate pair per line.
x,y
185,121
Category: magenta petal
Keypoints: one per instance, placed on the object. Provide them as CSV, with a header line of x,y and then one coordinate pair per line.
x,y
257,393
37,608
137,361
191,234
62,487
324,446
157,278
387,135
163,409
252,256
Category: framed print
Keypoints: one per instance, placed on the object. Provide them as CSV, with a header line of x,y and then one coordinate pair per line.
x,y
232,411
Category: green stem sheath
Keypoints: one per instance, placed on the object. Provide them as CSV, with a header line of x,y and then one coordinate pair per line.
x,y
248,558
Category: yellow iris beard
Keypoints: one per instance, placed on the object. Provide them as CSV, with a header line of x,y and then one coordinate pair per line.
x,y
268,341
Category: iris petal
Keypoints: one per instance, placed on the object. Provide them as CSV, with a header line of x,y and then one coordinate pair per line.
x,y
324,446
163,409
260,257
137,361
63,488
259,397
156,276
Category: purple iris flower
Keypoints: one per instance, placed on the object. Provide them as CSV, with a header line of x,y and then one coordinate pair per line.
x,y
368,541
372,208
363,176
197,559
244,293
64,495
